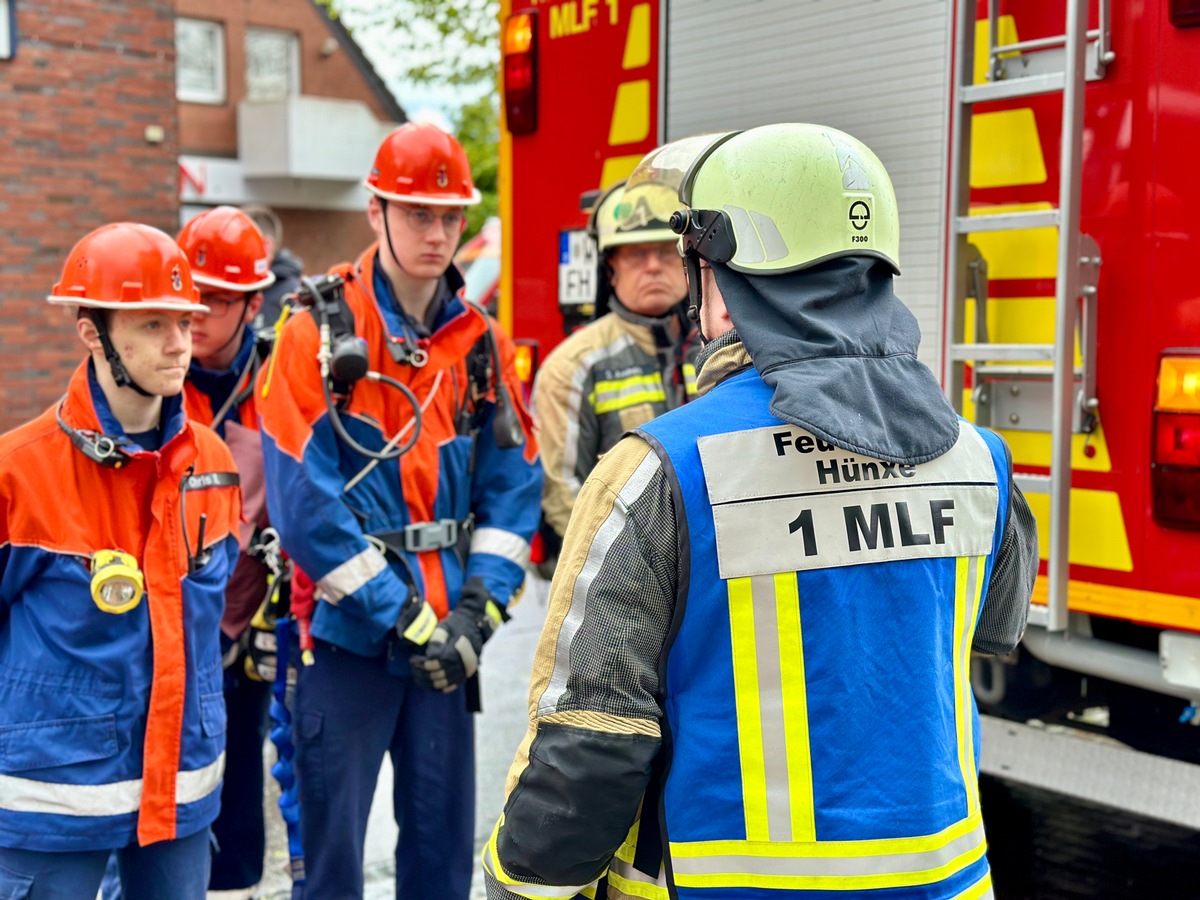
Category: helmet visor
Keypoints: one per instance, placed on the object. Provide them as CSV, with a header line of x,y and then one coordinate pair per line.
x,y
669,164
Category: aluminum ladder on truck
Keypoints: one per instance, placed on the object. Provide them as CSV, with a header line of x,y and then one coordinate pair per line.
x,y
1013,387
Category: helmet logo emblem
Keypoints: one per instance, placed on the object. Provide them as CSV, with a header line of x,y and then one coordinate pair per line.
x,y
176,279
201,258
442,178
860,215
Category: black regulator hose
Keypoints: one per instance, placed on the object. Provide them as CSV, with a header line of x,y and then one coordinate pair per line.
x,y
339,359
384,455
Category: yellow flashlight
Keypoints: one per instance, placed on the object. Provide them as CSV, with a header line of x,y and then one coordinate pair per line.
x,y
117,582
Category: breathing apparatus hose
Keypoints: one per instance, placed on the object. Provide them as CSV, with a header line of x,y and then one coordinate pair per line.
x,y
342,357
389,452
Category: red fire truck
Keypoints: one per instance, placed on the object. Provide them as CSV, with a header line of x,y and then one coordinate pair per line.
x,y
1043,153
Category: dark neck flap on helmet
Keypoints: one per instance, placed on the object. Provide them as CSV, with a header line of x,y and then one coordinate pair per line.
x,y
840,350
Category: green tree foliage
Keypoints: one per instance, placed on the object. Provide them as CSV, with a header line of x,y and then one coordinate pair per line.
x,y
477,126
444,43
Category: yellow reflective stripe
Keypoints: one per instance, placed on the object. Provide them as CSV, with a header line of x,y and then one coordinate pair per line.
x,y
968,587
749,717
620,393
980,890
490,858
421,629
833,865
628,400
795,707
632,882
689,379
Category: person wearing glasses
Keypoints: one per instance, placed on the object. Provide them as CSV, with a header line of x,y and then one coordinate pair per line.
x,y
635,362
754,678
230,263
118,534
415,530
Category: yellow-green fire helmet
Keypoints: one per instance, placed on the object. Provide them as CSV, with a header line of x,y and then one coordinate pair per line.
x,y
780,198
639,214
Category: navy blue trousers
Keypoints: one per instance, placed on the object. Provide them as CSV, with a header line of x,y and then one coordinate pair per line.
x,y
168,870
349,712
239,832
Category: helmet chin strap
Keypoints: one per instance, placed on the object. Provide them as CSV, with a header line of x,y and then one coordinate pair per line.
x,y
119,373
388,233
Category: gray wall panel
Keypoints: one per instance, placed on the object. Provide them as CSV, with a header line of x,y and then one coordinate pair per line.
x,y
877,69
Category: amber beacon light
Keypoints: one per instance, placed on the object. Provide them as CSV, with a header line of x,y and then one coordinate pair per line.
x,y
520,72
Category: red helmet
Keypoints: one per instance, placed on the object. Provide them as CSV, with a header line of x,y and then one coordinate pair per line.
x,y
227,250
127,266
420,163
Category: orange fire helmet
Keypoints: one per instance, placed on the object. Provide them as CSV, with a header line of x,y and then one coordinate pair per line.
x,y
227,250
127,266
420,163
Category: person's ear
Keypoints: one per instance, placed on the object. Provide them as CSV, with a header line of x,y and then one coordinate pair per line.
x,y
253,307
88,333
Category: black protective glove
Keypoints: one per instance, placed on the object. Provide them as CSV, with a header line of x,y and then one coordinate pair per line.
x,y
452,654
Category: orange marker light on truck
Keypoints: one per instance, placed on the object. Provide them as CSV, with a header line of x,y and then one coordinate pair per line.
x,y
1175,463
520,72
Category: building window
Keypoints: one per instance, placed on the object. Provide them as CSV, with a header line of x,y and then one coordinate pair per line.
x,y
272,64
199,61
7,16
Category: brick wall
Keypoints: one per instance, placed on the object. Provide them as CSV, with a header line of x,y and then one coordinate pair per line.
x,y
87,79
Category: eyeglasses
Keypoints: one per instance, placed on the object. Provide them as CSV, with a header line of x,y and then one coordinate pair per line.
x,y
639,254
421,219
220,304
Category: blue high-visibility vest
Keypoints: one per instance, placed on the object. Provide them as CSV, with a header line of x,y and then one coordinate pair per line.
x,y
824,737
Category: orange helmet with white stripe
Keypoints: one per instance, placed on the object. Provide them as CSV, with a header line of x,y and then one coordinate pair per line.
x,y
127,266
227,250
420,163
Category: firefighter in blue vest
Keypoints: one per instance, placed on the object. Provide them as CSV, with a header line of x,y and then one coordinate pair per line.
x,y
754,677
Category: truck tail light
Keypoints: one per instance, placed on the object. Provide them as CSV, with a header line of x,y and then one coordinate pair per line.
x,y
1175,465
520,72
526,362
1185,13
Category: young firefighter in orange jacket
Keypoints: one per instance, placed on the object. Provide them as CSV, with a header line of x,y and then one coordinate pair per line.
x,y
438,537
231,267
118,533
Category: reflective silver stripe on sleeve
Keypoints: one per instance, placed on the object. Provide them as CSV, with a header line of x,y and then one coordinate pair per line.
x,y
575,401
805,864
351,575
503,543
605,536
25,795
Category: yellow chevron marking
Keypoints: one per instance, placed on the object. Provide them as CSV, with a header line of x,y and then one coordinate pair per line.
x,y
1005,149
1028,253
1097,538
1008,35
637,40
631,113
617,168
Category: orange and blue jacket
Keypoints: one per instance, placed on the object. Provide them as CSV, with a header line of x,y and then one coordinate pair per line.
x,y
230,395
447,475
112,725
